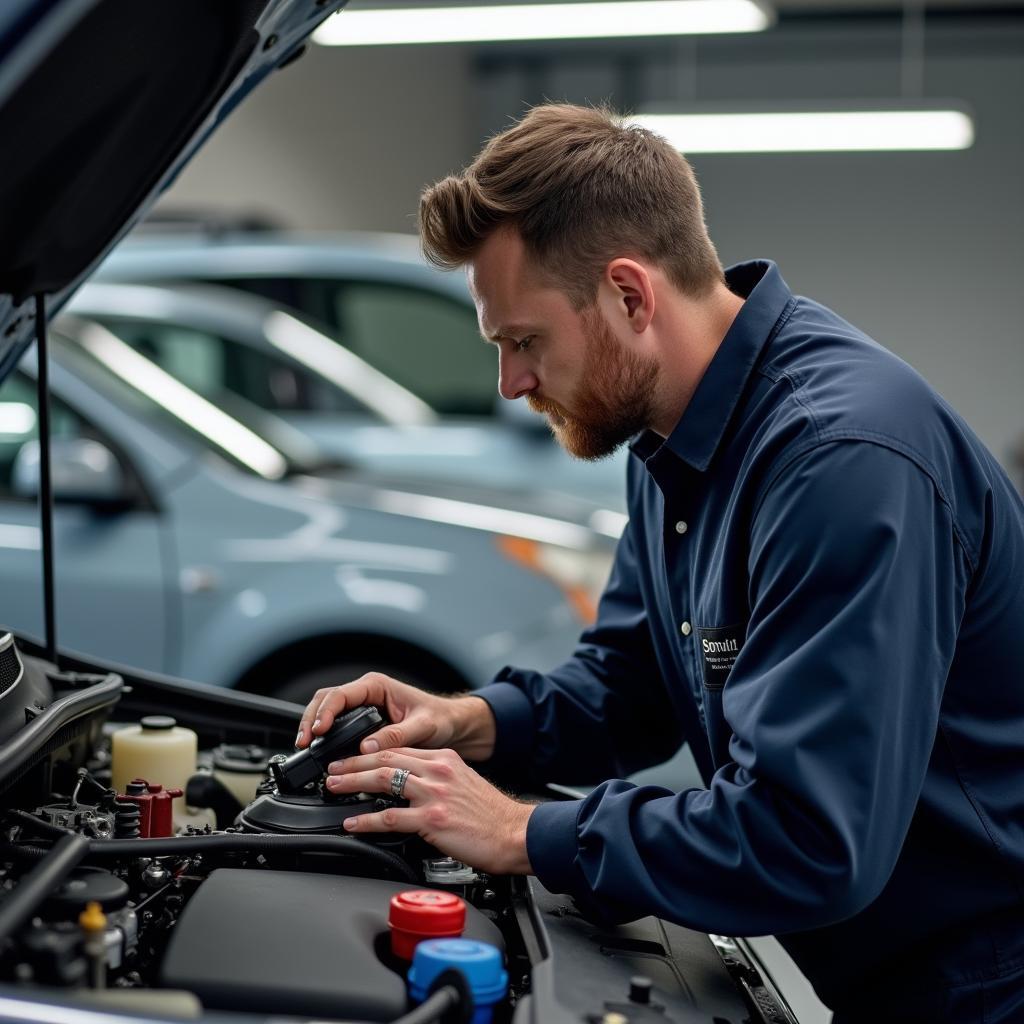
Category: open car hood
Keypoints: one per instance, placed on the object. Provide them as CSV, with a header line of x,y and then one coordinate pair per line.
x,y
102,103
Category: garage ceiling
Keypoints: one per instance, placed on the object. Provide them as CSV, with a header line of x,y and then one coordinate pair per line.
x,y
783,6
855,7
786,9
869,6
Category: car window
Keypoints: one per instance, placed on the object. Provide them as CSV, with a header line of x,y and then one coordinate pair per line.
x,y
427,342
282,291
233,428
211,364
19,424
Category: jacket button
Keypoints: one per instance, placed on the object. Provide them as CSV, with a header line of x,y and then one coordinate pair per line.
x,y
686,629
681,527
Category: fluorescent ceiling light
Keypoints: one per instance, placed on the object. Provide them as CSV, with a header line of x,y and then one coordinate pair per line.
x,y
541,21
820,131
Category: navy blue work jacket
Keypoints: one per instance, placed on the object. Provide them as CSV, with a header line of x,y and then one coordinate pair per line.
x,y
821,589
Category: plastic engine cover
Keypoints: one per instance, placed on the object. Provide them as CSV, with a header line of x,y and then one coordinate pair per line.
x,y
295,943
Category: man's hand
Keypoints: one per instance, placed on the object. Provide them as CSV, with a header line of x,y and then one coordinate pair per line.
x,y
450,806
419,719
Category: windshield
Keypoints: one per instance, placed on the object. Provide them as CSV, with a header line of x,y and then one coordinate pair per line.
x,y
404,331
271,358
250,438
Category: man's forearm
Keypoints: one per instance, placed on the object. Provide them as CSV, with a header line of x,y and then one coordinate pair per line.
x,y
475,730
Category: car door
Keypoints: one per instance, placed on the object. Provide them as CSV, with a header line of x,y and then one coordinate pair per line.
x,y
111,572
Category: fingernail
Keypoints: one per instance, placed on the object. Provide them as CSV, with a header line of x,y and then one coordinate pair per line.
x,y
371,746
331,783
349,823
316,725
298,739
335,766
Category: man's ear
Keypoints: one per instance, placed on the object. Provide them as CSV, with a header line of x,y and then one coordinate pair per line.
x,y
631,291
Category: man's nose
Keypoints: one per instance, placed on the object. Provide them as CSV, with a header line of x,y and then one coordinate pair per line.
x,y
515,379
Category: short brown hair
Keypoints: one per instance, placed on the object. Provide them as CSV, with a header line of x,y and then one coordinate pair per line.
x,y
581,188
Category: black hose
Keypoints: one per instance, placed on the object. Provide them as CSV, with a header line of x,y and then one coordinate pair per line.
x,y
40,882
433,1008
23,851
227,842
37,825
247,842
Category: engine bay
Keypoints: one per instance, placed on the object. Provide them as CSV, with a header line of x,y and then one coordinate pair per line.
x,y
174,865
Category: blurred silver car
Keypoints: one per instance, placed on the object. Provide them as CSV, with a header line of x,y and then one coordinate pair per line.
x,y
382,302
223,342
192,544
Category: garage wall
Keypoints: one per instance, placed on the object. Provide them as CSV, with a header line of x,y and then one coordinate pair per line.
x,y
922,250
340,139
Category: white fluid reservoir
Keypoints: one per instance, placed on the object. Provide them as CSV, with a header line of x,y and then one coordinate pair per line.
x,y
159,751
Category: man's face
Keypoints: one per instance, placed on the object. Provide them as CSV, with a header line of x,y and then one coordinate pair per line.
x,y
569,365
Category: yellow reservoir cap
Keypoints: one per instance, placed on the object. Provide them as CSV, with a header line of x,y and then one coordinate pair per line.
x,y
92,919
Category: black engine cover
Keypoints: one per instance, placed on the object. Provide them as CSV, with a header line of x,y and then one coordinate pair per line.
x,y
295,943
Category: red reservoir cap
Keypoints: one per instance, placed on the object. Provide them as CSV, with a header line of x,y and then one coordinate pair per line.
x,y
424,914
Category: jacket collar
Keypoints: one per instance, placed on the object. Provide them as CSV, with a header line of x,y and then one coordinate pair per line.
x,y
699,431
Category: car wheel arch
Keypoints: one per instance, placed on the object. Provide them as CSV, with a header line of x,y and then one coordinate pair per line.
x,y
274,671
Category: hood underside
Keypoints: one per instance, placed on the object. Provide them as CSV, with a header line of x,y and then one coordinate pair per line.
x,y
101,104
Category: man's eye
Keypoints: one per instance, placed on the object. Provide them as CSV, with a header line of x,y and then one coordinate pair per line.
x,y
524,343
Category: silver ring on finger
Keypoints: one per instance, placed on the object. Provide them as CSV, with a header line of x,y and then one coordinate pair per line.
x,y
398,780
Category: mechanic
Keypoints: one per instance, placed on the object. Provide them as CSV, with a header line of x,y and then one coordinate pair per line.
x,y
820,588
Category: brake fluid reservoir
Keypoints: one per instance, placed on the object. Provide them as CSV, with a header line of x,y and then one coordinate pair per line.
x,y
157,750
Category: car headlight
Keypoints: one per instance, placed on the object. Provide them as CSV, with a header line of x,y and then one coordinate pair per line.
x,y
580,575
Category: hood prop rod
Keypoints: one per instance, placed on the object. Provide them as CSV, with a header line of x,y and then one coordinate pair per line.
x,y
45,485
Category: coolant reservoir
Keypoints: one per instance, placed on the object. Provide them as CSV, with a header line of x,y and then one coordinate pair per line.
x,y
159,751
240,768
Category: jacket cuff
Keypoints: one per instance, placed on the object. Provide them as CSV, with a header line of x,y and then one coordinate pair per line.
x,y
513,723
552,845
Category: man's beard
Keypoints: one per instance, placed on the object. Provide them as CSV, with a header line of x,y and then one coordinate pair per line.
x,y
613,401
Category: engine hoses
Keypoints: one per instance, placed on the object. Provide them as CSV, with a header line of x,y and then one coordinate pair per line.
x,y
224,842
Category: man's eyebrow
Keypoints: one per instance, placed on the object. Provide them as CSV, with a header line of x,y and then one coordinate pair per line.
x,y
510,331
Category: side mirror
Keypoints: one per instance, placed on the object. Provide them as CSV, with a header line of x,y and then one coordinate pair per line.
x,y
520,415
84,472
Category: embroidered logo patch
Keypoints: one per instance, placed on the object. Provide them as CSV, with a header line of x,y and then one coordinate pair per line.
x,y
719,648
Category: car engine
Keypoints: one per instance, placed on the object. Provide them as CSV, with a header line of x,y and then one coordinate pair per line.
x,y
166,854
141,869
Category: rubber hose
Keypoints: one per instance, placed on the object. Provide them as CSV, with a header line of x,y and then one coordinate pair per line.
x,y
101,849
246,842
24,851
433,1008
40,827
40,882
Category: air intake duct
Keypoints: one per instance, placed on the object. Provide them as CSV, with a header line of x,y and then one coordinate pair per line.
x,y
11,668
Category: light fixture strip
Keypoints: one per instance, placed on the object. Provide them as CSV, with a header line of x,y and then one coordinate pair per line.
x,y
516,22
814,131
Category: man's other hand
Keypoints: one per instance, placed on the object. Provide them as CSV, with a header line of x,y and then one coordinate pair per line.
x,y
450,806
418,718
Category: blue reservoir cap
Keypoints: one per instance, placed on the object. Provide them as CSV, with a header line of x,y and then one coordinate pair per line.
x,y
480,963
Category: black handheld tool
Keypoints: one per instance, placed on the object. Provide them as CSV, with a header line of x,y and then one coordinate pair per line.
x,y
341,740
